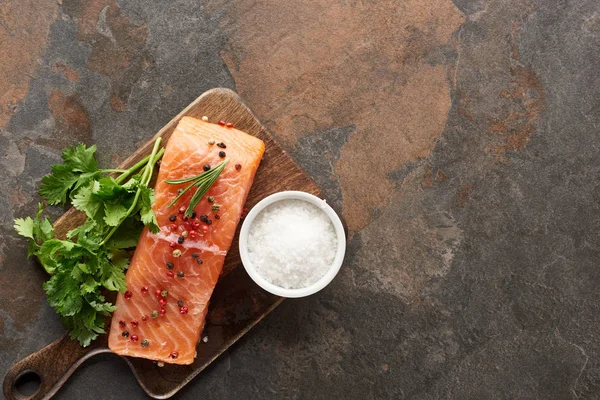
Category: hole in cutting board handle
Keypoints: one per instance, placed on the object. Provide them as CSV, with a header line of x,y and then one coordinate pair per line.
x,y
27,384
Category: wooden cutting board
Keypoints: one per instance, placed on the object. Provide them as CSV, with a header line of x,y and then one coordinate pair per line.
x,y
237,303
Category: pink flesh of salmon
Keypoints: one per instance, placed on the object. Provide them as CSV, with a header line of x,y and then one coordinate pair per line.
x,y
172,337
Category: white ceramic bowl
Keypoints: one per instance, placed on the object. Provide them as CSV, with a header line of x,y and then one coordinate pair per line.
x,y
333,269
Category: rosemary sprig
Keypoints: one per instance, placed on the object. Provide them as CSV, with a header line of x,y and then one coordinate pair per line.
x,y
202,182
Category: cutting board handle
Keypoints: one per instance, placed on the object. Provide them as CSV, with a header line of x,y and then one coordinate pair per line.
x,y
53,365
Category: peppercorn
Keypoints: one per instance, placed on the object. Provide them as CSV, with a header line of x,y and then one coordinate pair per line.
x,y
183,310
128,295
157,292
180,274
170,265
164,293
162,302
193,234
172,217
125,334
162,312
144,317
122,323
238,167
181,210
173,227
154,314
204,218
144,289
195,224
193,214
229,125
221,145
173,245
184,234
209,222
176,253
211,199
134,338
222,123
200,262
134,323
195,255
180,239
217,216
204,118
179,191
145,343
222,154
170,274
206,167
216,207
174,355
180,303
211,141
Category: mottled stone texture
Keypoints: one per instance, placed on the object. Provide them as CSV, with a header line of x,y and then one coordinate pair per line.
x,y
460,141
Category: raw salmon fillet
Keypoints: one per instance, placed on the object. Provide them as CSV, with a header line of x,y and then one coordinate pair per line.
x,y
171,336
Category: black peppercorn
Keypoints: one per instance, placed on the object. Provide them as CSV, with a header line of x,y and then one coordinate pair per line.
x,y
195,255
200,262
221,145
172,217
125,334
209,222
180,239
206,167
222,154
217,216
204,218
193,214
180,274
170,265
180,303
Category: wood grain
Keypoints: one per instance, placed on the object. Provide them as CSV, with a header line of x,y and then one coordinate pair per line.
x,y
237,303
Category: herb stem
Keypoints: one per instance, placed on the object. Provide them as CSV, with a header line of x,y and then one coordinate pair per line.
x,y
146,176
202,182
138,165
113,170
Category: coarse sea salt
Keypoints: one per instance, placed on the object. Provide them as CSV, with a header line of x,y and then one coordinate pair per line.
x,y
292,243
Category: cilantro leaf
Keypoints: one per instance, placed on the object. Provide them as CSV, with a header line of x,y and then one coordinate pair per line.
x,y
24,227
114,214
91,259
80,158
55,186
127,235
85,201
63,294
109,189
36,230
146,214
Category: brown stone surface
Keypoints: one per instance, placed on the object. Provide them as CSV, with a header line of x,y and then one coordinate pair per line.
x,y
459,139
24,27
377,66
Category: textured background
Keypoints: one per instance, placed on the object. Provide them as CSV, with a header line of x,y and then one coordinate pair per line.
x,y
459,140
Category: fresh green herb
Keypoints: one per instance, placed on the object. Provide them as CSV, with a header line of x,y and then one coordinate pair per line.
x,y
93,256
202,182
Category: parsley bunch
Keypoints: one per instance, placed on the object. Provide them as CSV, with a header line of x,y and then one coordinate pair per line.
x,y
93,256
